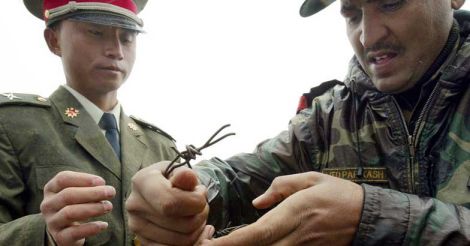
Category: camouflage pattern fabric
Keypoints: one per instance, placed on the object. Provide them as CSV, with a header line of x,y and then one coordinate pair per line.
x,y
417,184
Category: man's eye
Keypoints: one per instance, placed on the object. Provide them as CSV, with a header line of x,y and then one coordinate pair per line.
x,y
127,40
351,14
352,17
95,33
391,5
128,37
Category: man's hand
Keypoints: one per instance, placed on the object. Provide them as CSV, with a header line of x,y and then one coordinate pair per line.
x,y
313,209
70,198
168,211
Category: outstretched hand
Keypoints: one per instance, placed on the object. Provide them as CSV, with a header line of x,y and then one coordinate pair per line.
x,y
313,209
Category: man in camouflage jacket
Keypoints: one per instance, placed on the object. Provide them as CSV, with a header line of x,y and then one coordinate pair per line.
x,y
398,127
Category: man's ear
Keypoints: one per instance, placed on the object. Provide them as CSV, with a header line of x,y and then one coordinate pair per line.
x,y
457,4
52,39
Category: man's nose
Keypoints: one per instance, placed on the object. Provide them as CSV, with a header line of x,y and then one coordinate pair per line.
x,y
114,48
373,30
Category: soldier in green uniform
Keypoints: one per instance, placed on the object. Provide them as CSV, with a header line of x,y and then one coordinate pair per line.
x,y
381,158
67,161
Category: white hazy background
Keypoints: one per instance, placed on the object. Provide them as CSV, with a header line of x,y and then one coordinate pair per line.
x,y
201,64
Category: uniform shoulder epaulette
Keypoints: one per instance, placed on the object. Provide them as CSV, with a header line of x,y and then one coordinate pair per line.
x,y
23,99
151,127
307,98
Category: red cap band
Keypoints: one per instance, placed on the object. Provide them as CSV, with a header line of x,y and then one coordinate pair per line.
x,y
126,4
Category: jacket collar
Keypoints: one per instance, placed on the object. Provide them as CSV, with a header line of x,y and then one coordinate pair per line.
x,y
89,135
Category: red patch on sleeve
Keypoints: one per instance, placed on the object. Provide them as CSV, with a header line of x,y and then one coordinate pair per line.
x,y
302,103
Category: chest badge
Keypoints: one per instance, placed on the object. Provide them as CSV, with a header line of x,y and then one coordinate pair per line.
x,y
133,126
71,112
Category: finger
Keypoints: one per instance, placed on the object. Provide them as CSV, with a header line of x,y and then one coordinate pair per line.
x,y
185,224
75,233
189,197
78,212
283,187
186,203
207,234
270,228
78,195
152,193
152,232
184,178
155,194
72,179
249,235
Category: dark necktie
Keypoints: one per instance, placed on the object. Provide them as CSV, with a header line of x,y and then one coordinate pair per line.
x,y
108,123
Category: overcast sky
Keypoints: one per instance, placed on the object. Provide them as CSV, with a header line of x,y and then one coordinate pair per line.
x,y
202,64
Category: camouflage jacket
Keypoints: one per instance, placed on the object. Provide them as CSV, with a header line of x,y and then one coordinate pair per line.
x,y
417,184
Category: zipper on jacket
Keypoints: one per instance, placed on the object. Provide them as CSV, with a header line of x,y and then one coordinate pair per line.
x,y
419,126
412,138
411,148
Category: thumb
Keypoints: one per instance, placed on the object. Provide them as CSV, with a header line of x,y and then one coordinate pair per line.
x,y
184,178
268,199
284,186
206,234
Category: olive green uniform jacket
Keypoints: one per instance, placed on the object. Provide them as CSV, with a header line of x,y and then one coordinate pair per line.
x,y
38,139
416,183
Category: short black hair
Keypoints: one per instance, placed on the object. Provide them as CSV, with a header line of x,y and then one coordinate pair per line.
x,y
55,25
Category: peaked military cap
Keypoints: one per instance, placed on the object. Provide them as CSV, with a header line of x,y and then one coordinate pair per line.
x,y
117,13
311,7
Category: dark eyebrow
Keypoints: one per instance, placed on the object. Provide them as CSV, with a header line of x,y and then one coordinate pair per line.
x,y
130,31
346,7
